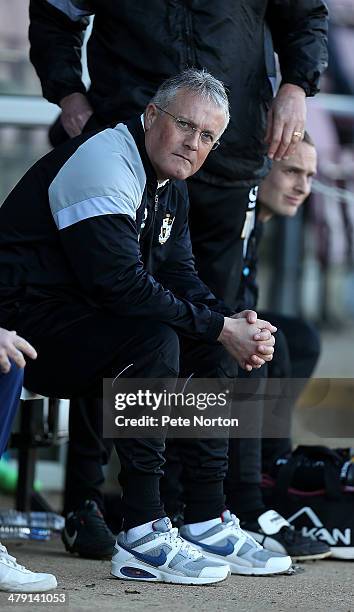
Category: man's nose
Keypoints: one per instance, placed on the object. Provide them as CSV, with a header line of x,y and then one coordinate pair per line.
x,y
192,141
301,185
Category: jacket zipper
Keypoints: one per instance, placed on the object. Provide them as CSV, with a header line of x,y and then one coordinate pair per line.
x,y
149,257
190,55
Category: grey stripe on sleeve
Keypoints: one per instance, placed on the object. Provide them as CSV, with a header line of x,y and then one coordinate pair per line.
x,y
104,176
90,208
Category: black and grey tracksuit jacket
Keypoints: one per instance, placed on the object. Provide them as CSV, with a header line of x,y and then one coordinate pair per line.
x,y
87,222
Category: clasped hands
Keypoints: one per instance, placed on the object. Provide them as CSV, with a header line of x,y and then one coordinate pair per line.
x,y
248,339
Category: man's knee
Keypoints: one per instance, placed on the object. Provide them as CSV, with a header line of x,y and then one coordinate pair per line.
x,y
161,344
217,359
206,360
11,383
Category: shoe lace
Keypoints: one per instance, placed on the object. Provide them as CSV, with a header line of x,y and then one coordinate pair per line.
x,y
174,538
9,560
244,534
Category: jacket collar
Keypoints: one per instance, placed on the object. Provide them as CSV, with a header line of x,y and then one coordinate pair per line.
x,y
137,131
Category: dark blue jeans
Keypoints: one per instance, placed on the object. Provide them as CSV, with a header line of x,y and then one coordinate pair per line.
x,y
10,391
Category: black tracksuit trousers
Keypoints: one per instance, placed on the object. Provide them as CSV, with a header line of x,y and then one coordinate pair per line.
x,y
217,216
77,347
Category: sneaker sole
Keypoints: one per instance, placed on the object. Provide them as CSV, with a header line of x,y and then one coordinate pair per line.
x,y
343,552
33,587
121,570
244,570
314,557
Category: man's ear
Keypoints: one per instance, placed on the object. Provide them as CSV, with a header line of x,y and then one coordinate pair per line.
x,y
149,116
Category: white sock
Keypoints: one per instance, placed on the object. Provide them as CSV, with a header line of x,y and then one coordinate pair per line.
x,y
135,533
198,528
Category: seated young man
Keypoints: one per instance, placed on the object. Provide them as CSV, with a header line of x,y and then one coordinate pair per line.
x,y
97,283
298,345
283,191
14,577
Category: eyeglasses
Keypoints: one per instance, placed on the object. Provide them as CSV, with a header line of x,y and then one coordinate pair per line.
x,y
189,129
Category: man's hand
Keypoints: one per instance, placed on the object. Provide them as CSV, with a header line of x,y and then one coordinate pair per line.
x,y
13,346
76,112
264,334
251,344
252,317
286,121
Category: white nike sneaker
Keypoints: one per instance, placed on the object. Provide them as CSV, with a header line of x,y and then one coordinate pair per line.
x,y
162,556
15,578
244,555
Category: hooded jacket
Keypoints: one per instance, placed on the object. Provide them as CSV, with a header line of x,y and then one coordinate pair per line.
x,y
134,46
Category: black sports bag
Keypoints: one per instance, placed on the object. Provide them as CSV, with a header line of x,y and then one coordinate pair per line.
x,y
314,489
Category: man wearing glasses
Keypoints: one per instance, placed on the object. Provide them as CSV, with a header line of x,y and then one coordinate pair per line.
x,y
131,49
207,138
97,291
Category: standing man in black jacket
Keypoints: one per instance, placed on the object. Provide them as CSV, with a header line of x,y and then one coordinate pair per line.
x,y
131,49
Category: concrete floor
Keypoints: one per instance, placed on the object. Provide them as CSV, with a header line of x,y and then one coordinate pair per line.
x,y
322,586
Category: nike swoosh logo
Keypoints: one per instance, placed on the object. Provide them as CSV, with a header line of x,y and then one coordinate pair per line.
x,y
150,559
224,550
70,539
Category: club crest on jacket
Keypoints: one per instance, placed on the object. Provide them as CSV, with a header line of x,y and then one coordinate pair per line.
x,y
166,228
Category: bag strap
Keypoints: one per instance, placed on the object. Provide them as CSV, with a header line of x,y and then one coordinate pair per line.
x,y
332,481
332,466
285,476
